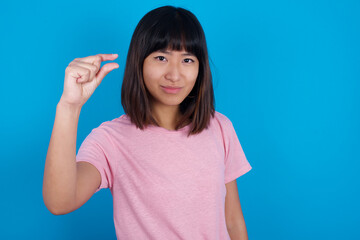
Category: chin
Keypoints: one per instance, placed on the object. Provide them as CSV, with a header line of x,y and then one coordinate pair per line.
x,y
175,102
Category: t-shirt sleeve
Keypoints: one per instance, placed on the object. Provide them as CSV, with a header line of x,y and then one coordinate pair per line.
x,y
94,151
236,163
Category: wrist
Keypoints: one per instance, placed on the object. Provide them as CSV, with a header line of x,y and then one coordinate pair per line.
x,y
63,105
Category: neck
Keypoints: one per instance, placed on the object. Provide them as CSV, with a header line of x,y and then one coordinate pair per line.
x,y
166,116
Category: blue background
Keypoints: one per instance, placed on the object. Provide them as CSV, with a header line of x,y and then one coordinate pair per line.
x,y
286,73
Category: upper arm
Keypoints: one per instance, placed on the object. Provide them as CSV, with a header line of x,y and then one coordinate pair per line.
x,y
88,181
233,212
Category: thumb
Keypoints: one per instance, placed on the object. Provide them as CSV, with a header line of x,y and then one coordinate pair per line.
x,y
105,70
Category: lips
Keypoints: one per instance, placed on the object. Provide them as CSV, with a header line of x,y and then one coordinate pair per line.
x,y
170,89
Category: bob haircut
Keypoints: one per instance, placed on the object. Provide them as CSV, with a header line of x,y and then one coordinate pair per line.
x,y
175,29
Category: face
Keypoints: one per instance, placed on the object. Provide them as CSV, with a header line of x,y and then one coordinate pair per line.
x,y
170,76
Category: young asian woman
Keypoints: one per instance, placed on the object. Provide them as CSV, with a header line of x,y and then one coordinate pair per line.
x,y
171,161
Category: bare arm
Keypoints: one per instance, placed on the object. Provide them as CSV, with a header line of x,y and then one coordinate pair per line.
x,y
62,176
67,185
233,214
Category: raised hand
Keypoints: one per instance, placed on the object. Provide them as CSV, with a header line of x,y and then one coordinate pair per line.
x,y
83,76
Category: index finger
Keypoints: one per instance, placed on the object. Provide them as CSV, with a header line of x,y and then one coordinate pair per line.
x,y
108,57
99,58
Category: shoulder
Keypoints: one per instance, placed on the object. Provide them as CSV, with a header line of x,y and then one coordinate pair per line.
x,y
226,126
222,120
123,121
222,125
112,127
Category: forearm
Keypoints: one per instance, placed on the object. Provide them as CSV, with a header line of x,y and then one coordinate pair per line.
x,y
59,184
238,231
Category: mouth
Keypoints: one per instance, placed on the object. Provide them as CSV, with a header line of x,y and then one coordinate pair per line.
x,y
169,89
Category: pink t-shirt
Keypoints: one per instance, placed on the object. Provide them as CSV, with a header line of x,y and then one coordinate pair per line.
x,y
166,185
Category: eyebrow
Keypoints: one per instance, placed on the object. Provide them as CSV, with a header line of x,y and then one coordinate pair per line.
x,y
167,52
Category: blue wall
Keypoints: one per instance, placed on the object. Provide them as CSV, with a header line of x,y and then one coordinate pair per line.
x,y
286,74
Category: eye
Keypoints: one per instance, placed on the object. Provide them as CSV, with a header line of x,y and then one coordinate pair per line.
x,y
188,60
161,58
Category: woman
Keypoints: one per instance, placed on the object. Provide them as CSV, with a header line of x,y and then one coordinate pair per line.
x,y
171,161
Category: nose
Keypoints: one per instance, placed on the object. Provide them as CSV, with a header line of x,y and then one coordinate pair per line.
x,y
173,72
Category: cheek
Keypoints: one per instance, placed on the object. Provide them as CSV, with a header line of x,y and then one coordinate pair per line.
x,y
191,82
149,76
193,75
151,72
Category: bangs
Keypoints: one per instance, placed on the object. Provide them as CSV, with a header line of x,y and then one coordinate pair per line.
x,y
175,31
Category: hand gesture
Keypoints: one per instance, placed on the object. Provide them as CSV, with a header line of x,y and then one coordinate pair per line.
x,y
83,76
